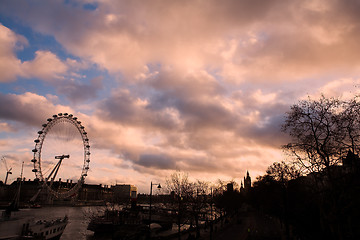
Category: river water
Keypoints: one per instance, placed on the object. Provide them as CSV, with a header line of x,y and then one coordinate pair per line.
x,y
79,217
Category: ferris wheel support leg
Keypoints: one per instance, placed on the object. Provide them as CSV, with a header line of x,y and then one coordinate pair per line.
x,y
56,168
56,171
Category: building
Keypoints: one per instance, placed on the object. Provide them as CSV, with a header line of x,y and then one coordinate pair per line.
x,y
244,188
230,187
94,192
351,163
87,194
124,192
247,181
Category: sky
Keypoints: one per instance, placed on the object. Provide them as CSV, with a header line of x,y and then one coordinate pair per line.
x,y
198,86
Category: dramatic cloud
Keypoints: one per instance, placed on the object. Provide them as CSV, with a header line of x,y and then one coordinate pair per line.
x,y
78,92
249,39
186,85
29,108
45,66
9,64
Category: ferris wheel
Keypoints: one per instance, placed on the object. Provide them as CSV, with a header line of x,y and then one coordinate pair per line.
x,y
61,150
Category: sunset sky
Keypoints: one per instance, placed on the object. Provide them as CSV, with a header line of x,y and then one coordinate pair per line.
x,y
200,86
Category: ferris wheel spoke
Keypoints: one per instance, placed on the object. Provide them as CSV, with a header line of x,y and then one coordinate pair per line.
x,y
62,133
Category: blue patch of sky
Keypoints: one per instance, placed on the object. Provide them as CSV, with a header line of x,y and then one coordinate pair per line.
x,y
22,85
108,81
5,135
90,6
37,41
71,3
215,72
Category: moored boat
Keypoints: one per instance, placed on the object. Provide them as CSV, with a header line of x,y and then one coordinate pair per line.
x,y
129,222
47,229
15,227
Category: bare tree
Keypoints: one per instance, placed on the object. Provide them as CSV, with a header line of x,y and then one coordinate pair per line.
x,y
191,198
182,189
322,131
283,172
198,202
349,123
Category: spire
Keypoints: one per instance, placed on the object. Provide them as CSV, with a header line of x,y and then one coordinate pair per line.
x,y
247,181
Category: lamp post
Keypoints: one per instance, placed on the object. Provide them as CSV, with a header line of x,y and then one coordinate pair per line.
x,y
159,186
211,214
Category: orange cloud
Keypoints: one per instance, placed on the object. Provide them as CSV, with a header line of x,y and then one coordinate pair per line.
x,y
10,66
45,65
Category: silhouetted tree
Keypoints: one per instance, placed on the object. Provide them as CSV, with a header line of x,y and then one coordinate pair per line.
x,y
228,201
290,200
282,173
266,195
198,202
322,131
191,198
179,184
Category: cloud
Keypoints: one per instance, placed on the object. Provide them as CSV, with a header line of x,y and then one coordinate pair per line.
x,y
195,85
156,161
345,88
10,66
191,122
5,127
28,108
78,92
45,65
249,38
133,111
210,147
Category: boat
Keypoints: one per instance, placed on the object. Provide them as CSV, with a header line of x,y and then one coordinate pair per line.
x,y
35,206
113,219
15,226
46,229
129,223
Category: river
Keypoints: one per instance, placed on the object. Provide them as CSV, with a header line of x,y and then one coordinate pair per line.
x,y
79,217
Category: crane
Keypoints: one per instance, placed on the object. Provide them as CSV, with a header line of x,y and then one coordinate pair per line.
x,y
8,171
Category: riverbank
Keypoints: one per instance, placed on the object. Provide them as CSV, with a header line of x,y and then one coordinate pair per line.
x,y
244,225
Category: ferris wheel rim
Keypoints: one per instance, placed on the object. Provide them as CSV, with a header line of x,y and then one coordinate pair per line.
x,y
46,127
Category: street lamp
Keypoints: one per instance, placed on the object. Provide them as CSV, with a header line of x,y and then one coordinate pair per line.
x,y
159,186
